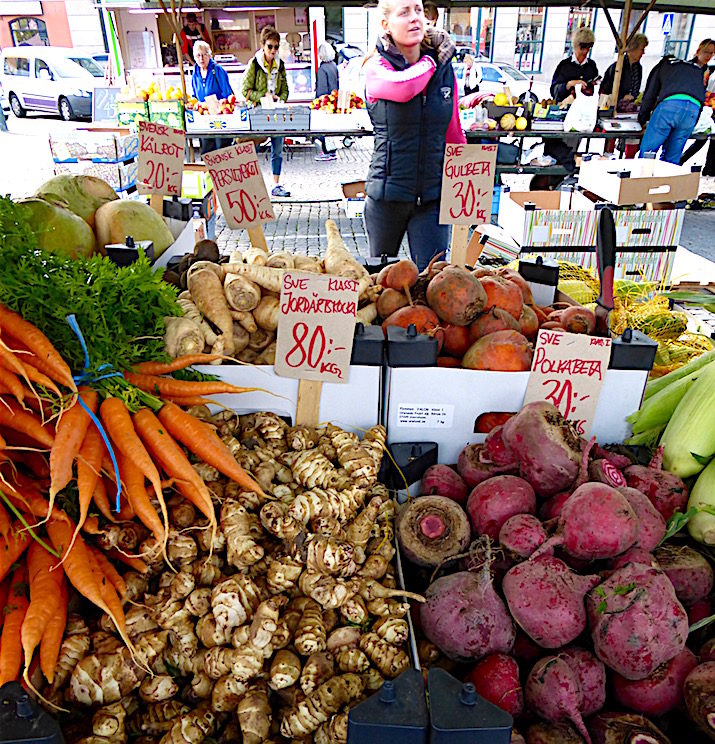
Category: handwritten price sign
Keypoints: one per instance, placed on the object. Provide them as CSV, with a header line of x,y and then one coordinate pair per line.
x,y
161,159
316,326
568,371
467,184
240,186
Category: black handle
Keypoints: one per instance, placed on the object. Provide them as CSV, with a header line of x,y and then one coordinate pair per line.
x,y
606,255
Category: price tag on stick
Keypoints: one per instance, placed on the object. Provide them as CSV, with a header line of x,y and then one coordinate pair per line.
x,y
467,184
568,370
240,185
160,165
316,326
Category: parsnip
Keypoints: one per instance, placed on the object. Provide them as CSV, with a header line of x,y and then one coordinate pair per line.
x,y
283,260
182,336
310,264
262,275
254,256
367,315
267,313
207,292
241,293
210,265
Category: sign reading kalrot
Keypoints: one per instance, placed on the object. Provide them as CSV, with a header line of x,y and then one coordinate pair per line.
x,y
161,159
568,370
316,326
240,186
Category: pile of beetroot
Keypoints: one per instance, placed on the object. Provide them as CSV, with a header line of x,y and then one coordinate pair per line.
x,y
554,579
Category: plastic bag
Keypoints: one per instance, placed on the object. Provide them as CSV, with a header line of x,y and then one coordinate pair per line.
x,y
705,123
582,114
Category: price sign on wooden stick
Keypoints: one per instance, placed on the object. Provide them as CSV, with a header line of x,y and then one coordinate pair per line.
x,y
241,190
568,370
316,326
160,165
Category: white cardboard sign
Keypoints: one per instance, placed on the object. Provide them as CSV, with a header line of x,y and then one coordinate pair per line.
x,y
568,370
467,184
240,186
160,164
316,326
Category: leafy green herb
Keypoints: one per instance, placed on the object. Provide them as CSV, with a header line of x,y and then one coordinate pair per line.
x,y
192,375
622,590
677,522
600,591
702,623
601,608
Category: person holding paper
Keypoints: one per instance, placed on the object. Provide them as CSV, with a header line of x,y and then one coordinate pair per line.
x,y
209,80
266,76
411,92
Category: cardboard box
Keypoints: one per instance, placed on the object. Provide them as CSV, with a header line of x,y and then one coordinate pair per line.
x,y
324,121
354,198
100,147
195,181
639,181
132,112
548,219
170,113
217,123
183,233
280,119
355,405
120,176
434,404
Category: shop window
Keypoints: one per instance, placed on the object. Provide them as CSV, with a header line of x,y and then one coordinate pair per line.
x,y
679,39
17,66
578,18
530,39
29,32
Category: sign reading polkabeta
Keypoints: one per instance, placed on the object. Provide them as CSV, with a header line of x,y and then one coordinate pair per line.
x,y
316,325
160,165
568,370
240,186
467,184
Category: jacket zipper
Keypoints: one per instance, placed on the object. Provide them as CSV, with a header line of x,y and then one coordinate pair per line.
x,y
420,164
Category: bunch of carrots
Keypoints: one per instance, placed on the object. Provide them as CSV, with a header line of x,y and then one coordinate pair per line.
x,y
49,440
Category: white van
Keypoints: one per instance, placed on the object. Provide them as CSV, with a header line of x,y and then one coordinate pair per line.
x,y
49,79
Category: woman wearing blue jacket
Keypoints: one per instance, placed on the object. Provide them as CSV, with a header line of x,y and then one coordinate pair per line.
x,y
209,80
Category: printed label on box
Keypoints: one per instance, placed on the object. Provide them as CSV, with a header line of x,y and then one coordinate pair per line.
x,y
425,415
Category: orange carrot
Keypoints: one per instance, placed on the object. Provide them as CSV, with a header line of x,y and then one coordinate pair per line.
x,y
182,362
203,441
109,594
11,382
136,564
13,548
45,585
9,360
109,571
52,637
34,462
13,417
70,434
4,592
5,525
91,525
89,463
34,375
101,501
119,425
190,400
133,482
14,611
17,327
181,388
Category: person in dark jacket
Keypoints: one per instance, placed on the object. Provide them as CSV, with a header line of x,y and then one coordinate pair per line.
x,y
192,32
209,79
672,101
578,70
703,55
411,92
326,81
632,75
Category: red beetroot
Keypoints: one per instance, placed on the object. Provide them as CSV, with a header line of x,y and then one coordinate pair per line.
x,y
699,611
595,522
604,472
551,508
496,679
633,555
546,599
660,692
689,572
496,451
591,675
474,468
465,618
651,525
699,692
625,728
636,621
521,535
615,458
493,501
707,651
547,446
553,693
525,649
552,733
667,492
441,480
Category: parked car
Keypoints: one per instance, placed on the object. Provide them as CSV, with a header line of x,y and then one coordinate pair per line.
x,y
101,59
49,79
492,77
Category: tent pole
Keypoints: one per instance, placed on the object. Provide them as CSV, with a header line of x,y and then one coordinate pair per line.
x,y
611,24
625,22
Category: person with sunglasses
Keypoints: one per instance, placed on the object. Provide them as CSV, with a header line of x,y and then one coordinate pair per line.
x,y
578,70
266,76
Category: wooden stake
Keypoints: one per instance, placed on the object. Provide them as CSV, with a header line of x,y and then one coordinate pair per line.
x,y
458,245
258,237
307,412
156,202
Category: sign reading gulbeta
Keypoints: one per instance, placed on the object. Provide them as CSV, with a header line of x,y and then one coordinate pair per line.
x,y
240,186
161,159
316,326
568,370
467,184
